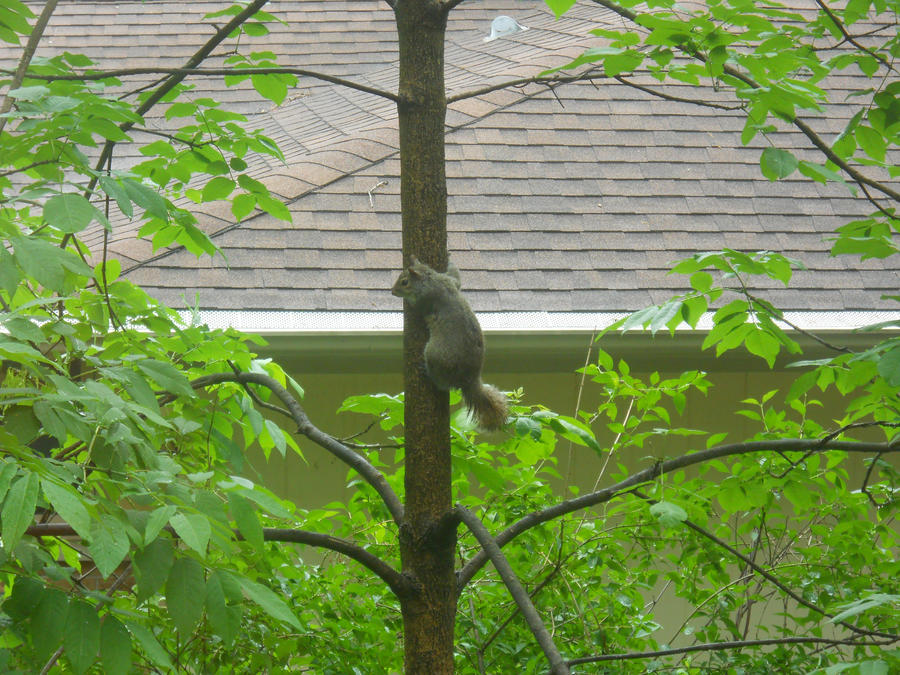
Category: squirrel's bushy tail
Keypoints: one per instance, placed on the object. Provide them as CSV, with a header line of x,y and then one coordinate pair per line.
x,y
486,404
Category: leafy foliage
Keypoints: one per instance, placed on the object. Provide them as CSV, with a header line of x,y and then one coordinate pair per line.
x,y
132,539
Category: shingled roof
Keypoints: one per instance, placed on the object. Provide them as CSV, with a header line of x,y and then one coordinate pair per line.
x,y
573,201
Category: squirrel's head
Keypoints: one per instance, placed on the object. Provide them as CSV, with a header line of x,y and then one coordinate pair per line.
x,y
405,285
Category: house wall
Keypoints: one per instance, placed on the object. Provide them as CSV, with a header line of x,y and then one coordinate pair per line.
x,y
331,368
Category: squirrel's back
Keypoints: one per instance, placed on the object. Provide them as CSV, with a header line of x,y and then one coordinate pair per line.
x,y
454,353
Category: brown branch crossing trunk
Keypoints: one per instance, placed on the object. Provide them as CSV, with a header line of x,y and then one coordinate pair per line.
x,y
426,548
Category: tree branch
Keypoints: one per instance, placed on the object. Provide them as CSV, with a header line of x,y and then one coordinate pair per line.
x,y
768,576
304,426
173,80
807,131
394,579
549,80
450,4
215,72
852,40
719,646
516,590
19,74
525,523
677,99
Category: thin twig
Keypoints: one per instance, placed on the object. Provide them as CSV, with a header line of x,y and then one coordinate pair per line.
x,y
217,72
548,80
771,578
720,646
852,40
677,99
394,579
30,47
171,82
861,179
658,469
304,426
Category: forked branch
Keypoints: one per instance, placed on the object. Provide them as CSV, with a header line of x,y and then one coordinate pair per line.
x,y
304,426
601,496
214,72
173,80
395,581
34,38
516,590
861,179
768,576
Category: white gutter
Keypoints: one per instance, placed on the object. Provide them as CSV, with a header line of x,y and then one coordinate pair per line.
x,y
340,322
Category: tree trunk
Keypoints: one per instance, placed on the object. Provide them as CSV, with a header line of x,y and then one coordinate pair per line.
x,y
426,549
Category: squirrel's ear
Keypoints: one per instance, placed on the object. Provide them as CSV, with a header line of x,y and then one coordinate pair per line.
x,y
413,260
452,271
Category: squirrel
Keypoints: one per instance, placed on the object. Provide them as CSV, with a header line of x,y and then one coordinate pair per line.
x,y
454,353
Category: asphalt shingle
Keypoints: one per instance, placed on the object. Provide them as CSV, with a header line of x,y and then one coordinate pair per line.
x,y
577,199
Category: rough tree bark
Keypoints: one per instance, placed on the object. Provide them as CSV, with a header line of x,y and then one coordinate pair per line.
x,y
426,548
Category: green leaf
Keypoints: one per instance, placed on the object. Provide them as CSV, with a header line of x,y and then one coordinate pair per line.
x,y
34,93
560,7
701,281
150,645
242,205
48,264
69,212
159,148
273,207
668,514
247,521
7,473
9,272
153,565
25,596
115,647
147,198
571,429
157,520
224,619
109,544
777,163
252,185
862,605
18,509
889,366
277,436
760,343
181,109
269,602
194,530
872,142
255,29
51,422
267,501
272,87
81,640
484,473
217,188
103,127
48,622
185,594
819,172
167,376
625,62
114,189
67,503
